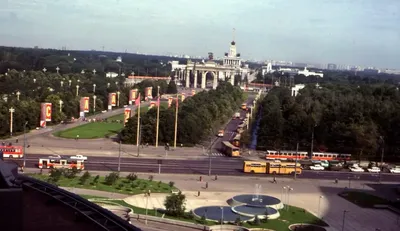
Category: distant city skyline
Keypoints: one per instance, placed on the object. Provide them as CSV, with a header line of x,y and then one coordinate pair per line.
x,y
358,32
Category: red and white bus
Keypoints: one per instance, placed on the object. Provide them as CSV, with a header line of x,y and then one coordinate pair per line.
x,y
67,163
291,155
12,151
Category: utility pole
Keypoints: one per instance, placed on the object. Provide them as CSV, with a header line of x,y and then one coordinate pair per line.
x,y
24,156
312,142
295,165
209,157
382,153
139,137
158,114
119,154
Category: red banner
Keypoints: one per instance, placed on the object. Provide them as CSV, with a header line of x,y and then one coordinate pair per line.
x,y
149,92
112,99
127,115
132,95
45,113
84,104
170,101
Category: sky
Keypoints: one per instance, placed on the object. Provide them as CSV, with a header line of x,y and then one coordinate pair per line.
x,y
354,32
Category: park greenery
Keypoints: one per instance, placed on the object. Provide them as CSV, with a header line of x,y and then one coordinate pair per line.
x,y
355,119
112,182
198,117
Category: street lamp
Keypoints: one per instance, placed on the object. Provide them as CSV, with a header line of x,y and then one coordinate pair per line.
x,y
118,93
61,103
34,80
11,110
77,90
18,94
288,197
283,199
94,88
24,156
44,70
62,83
108,85
382,153
94,104
57,69
69,82
158,114
82,72
222,216
94,71
344,218
319,206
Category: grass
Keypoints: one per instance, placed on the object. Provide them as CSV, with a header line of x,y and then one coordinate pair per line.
x,y
288,217
97,130
122,185
362,199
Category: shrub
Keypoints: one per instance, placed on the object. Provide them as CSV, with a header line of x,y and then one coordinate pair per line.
x,y
120,186
84,178
55,175
151,178
171,184
203,219
175,204
159,184
257,220
96,180
131,177
111,178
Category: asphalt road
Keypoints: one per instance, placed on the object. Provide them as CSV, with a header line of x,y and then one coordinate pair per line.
x,y
219,166
230,129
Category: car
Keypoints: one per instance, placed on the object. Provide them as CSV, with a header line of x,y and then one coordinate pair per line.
x,y
317,167
395,169
79,157
356,168
374,169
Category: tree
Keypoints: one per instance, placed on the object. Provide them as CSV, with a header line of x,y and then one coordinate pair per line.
x,y
83,179
172,89
175,204
111,178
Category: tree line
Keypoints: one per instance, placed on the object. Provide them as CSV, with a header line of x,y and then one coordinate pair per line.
x,y
25,90
198,117
355,119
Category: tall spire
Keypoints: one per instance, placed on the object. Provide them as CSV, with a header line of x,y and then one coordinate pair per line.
x,y
233,37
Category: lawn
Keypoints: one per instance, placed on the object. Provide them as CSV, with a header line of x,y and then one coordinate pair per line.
x,y
95,130
122,185
363,199
293,216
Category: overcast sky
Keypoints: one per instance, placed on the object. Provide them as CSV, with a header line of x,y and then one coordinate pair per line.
x,y
359,32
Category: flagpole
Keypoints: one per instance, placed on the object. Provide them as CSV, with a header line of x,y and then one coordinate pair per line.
x,y
176,120
138,124
158,114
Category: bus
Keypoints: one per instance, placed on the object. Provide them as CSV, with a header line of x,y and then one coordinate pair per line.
x,y
229,149
10,151
67,163
236,140
280,168
244,106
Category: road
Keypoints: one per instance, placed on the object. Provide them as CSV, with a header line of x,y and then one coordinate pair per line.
x,y
230,129
219,166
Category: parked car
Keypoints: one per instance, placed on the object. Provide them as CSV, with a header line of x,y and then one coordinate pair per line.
x,y
79,157
317,167
356,168
395,169
374,169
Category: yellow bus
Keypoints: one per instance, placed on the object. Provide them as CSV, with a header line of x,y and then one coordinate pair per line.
x,y
283,168
229,149
271,167
254,167
236,140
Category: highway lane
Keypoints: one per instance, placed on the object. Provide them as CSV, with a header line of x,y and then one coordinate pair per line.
x,y
230,129
219,166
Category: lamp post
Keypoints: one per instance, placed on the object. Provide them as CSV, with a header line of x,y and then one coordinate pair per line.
x,y
94,103
94,88
18,94
382,153
11,110
158,114
222,216
34,80
282,194
319,206
94,71
77,90
69,82
44,70
61,103
82,72
62,83
108,85
288,197
118,93
344,218
297,156
312,141
147,201
24,156
57,69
